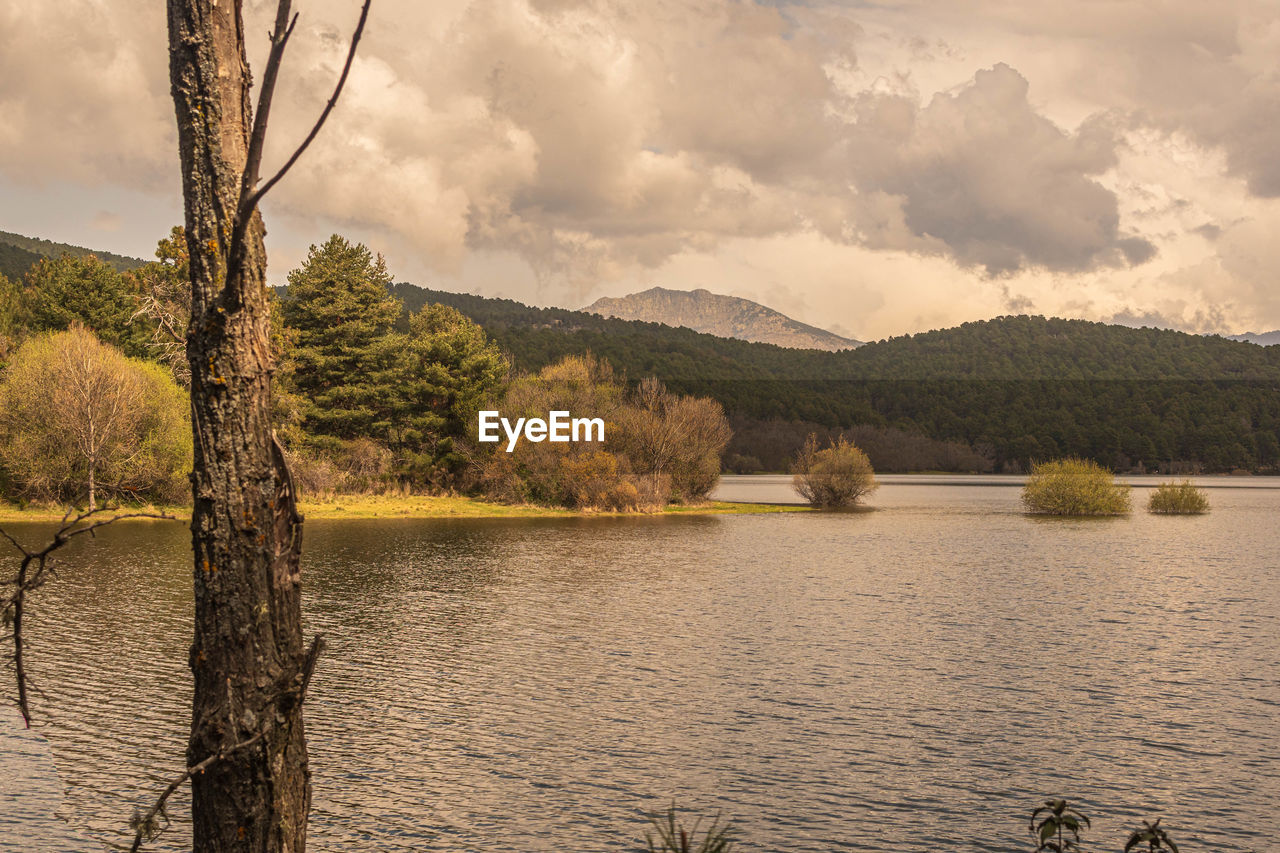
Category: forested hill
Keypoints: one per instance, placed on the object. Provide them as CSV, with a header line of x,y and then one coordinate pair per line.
x,y
1006,348
15,261
536,337
18,253
1050,348
1013,389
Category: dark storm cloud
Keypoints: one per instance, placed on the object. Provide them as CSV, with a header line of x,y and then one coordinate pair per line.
x,y
981,171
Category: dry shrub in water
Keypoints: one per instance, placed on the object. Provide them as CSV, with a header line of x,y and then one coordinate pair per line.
x,y
1074,487
837,476
1178,499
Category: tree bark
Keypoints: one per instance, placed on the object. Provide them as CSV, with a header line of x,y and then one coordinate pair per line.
x,y
247,657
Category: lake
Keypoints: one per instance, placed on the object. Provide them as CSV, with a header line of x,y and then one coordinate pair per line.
x,y
917,677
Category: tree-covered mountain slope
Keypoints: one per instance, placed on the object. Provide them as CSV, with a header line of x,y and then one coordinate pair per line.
x,y
18,253
1016,389
1011,348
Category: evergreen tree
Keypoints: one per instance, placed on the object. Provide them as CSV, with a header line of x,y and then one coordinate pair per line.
x,y
62,291
451,366
347,359
9,318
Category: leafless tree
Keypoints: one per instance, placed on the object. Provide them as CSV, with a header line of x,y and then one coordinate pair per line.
x,y
77,418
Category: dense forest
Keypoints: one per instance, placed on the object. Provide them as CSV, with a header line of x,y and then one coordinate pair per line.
x,y
368,396
392,400
1007,391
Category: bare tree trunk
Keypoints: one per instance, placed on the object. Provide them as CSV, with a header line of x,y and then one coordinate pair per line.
x,y
247,657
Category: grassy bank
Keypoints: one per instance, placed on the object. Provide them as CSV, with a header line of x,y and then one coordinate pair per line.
x,y
417,506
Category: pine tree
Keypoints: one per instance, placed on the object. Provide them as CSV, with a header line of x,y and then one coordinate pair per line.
x,y
62,291
451,366
346,354
10,319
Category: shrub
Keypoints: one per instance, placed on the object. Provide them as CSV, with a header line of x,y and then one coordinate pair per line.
x,y
328,466
662,433
79,420
736,463
653,491
1178,499
837,476
590,479
1074,487
497,477
658,446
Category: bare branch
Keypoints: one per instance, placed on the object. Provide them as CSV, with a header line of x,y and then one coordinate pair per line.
x,y
246,208
34,570
279,39
146,827
14,542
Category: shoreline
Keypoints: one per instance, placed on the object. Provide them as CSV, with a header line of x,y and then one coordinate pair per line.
x,y
419,507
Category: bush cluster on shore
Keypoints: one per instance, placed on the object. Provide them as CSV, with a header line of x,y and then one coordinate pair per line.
x,y
659,447
368,398
1074,487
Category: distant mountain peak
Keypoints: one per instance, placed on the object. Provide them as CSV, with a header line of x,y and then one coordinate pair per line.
x,y
720,315
1264,339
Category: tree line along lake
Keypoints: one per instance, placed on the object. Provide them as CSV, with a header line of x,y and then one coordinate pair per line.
x,y
914,677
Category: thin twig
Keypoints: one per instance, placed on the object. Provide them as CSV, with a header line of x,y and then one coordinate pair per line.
x,y
257,140
253,200
34,569
146,827
248,204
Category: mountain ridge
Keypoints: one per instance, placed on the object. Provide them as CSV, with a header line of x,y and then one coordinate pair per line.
x,y
1014,390
720,315
19,252
1262,339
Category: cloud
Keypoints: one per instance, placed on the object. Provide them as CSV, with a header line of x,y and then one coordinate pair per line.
x,y
980,174
80,100
105,220
1095,158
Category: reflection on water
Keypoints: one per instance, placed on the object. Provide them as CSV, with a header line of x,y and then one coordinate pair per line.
x,y
877,681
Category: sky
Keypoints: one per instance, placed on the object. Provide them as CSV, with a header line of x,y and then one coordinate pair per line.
x,y
875,167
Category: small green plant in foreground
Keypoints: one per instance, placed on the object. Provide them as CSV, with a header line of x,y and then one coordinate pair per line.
x,y
1153,836
1074,487
1178,499
1056,827
1059,828
674,838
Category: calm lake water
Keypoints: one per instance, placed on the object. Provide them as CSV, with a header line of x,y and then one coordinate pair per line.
x,y
914,678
